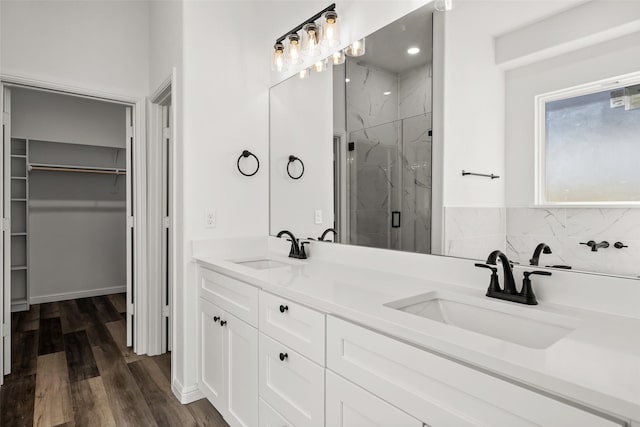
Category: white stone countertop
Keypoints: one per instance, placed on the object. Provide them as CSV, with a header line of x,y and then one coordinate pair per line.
x,y
596,365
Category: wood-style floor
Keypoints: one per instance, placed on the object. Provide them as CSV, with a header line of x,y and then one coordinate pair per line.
x,y
71,367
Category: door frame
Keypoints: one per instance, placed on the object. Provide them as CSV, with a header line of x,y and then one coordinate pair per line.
x,y
161,306
140,299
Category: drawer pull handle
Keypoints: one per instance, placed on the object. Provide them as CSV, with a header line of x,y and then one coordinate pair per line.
x,y
216,318
283,357
284,308
223,322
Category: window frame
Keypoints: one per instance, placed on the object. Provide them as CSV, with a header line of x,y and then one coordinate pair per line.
x,y
540,102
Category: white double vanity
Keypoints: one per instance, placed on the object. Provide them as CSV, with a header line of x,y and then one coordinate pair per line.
x,y
377,341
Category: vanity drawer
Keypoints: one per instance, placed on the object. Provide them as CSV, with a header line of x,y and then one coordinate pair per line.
x,y
233,296
269,417
292,384
294,325
438,391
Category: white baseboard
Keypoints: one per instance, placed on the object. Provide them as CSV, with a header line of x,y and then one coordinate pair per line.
x,y
77,294
186,394
21,305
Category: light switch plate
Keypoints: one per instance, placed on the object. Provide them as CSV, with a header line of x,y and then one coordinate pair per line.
x,y
318,216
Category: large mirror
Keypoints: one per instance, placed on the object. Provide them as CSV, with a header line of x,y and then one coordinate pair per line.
x,y
456,133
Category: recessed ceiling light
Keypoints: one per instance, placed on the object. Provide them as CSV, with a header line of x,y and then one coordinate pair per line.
x,y
386,93
413,50
347,80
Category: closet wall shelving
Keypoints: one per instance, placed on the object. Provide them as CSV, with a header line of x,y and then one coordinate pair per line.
x,y
30,156
19,224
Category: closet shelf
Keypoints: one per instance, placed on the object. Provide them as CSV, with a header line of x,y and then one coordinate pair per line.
x,y
22,156
18,267
19,177
76,169
19,234
18,200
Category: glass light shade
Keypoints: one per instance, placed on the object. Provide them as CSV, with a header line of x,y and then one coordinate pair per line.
x,y
443,5
278,62
311,40
304,74
330,30
294,51
320,66
338,57
355,49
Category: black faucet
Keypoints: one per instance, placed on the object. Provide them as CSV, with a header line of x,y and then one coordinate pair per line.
x,y
595,246
297,250
509,293
327,231
542,248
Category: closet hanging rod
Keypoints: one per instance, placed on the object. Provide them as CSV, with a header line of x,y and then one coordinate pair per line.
x,y
76,169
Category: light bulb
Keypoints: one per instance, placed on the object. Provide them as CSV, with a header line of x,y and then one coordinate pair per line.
x,y
331,30
338,57
357,48
413,50
294,56
278,62
320,66
304,74
311,40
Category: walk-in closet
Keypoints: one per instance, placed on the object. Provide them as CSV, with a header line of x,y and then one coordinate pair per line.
x,y
68,196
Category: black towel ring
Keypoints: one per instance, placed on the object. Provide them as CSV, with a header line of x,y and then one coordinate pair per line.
x,y
292,159
245,154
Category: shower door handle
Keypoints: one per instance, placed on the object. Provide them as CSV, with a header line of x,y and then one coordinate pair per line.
x,y
396,217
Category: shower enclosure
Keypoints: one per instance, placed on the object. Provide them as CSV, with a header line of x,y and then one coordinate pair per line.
x,y
389,181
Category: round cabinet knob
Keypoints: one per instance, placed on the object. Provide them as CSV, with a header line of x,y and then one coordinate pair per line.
x,y
223,322
283,357
284,308
216,318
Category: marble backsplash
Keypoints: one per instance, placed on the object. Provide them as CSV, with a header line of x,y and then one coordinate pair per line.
x,y
473,232
564,229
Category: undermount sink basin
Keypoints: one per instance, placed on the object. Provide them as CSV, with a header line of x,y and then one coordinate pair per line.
x,y
518,325
263,264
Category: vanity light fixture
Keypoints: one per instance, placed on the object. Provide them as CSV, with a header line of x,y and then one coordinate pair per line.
x,y
320,66
413,50
355,49
294,55
278,61
338,57
313,40
304,74
331,29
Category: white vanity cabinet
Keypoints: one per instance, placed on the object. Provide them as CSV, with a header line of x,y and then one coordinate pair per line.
x,y
228,352
439,391
349,405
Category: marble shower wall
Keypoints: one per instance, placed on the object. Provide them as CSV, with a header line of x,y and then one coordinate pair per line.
x,y
564,229
391,163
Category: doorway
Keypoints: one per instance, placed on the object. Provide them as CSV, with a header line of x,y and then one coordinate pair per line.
x,y
65,174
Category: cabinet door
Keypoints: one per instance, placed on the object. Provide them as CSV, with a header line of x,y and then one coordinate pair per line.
x,y
241,368
212,372
351,406
292,384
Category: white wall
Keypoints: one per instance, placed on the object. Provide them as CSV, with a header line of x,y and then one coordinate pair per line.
x,y
61,118
473,109
301,124
100,45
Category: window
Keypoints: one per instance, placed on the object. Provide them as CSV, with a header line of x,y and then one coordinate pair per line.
x,y
588,144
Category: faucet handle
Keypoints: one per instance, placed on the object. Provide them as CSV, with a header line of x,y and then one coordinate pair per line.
x,y
490,267
303,252
537,272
